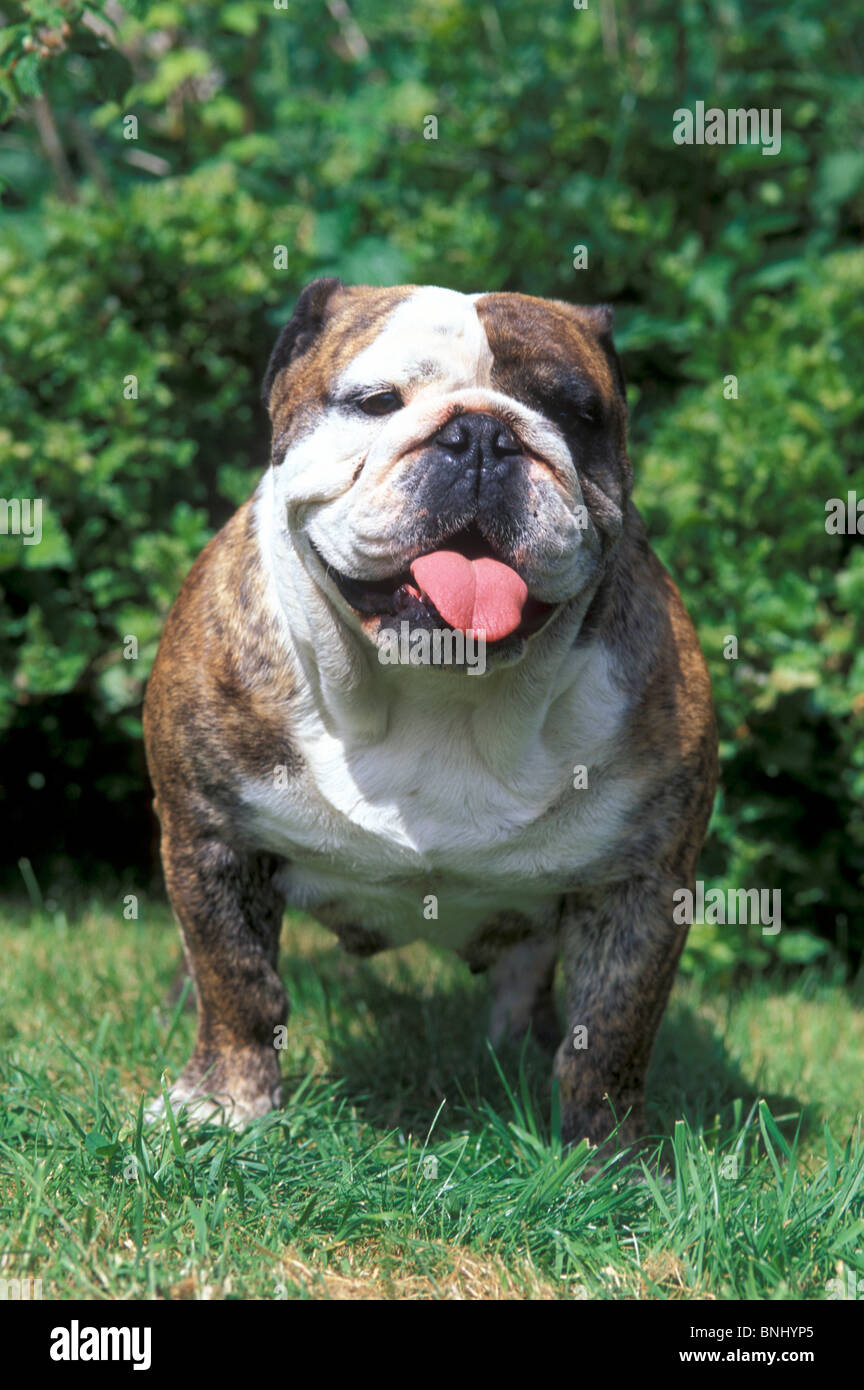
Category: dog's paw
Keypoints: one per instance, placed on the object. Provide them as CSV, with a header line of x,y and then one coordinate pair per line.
x,y
199,1106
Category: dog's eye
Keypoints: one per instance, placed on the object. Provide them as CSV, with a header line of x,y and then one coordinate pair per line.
x,y
381,403
591,412
587,409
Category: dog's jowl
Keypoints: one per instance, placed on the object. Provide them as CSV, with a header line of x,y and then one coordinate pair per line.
x,y
449,478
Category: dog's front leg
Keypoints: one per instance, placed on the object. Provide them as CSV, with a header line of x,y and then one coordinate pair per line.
x,y
523,998
619,951
230,915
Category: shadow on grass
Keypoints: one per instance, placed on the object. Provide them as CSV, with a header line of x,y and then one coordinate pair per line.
x,y
692,1077
401,1045
401,1048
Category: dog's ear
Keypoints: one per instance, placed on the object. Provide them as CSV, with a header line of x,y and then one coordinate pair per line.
x,y
603,316
302,328
599,319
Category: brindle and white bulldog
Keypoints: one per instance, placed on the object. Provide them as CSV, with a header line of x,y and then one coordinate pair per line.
x,y
452,462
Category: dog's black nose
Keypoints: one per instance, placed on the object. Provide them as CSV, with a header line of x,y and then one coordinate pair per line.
x,y
480,438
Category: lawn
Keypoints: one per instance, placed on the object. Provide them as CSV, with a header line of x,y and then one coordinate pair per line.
x,y
409,1162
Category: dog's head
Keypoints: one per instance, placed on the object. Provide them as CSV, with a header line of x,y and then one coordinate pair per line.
x,y
448,460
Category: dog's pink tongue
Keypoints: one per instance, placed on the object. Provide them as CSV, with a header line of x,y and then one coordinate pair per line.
x,y
480,594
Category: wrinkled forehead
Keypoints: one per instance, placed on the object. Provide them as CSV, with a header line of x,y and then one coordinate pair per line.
x,y
455,340
423,338
433,335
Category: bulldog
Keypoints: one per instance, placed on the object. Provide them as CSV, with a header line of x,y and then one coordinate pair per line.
x,y
442,464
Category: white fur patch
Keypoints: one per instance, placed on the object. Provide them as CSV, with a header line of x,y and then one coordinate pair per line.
x,y
474,804
434,335
421,789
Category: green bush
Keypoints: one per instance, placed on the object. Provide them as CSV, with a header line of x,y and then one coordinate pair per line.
x,y
734,493
153,259
131,487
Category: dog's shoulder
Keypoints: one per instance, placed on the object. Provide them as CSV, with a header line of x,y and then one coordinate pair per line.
x,y
670,730
223,681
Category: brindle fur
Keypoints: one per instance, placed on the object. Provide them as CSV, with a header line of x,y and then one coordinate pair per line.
x,y
219,705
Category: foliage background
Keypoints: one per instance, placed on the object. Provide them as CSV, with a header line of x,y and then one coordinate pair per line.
x,y
303,126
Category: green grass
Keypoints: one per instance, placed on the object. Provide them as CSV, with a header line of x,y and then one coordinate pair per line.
x,y
387,1067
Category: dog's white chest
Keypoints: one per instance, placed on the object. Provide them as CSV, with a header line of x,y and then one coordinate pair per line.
x,y
448,820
